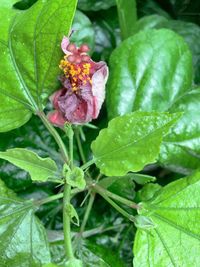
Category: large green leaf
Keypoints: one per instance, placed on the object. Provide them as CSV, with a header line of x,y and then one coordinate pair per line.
x,y
39,168
189,31
180,150
131,141
160,90
12,113
149,71
175,240
23,237
30,55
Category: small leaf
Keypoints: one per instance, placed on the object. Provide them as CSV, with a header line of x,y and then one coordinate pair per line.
x,y
175,240
144,222
131,141
75,177
39,168
73,214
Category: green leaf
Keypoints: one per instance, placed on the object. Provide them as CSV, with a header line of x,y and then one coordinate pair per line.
x,y
35,137
30,55
75,177
149,71
189,31
131,141
95,5
39,168
73,214
127,16
176,240
180,150
23,235
84,32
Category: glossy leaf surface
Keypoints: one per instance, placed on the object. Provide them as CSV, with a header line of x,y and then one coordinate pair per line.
x,y
131,141
189,31
30,55
175,241
39,168
149,71
180,150
23,235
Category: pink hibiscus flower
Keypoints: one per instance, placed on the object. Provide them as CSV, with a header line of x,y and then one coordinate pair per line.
x,y
83,87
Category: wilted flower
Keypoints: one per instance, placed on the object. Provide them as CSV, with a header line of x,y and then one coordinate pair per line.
x,y
83,92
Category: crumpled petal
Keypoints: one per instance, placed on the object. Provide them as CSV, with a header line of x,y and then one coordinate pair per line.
x,y
56,118
64,44
83,92
99,80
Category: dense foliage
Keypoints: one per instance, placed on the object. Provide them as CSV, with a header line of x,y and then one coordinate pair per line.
x,y
126,186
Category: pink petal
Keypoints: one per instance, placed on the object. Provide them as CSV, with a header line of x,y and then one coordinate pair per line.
x,y
54,98
99,80
56,118
64,44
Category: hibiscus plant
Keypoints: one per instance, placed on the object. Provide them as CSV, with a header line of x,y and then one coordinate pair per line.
x,y
100,134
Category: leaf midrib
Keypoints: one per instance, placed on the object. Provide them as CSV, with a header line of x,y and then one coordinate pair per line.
x,y
12,57
30,163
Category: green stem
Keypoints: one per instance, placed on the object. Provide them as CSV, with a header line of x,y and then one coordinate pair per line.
x,y
80,148
49,199
55,134
66,222
55,197
88,164
127,14
66,203
87,212
125,201
118,208
71,150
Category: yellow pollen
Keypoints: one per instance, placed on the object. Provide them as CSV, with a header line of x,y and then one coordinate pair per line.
x,y
76,73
